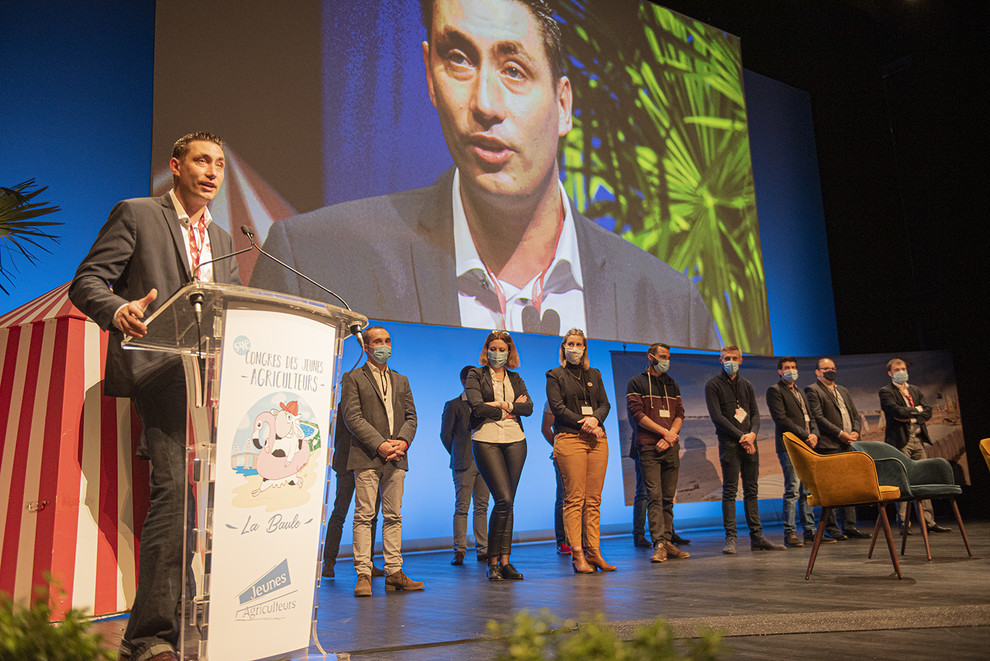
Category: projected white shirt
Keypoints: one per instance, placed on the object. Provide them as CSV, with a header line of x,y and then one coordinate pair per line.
x,y
551,303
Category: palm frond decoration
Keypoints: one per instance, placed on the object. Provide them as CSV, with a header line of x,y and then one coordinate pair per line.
x,y
659,152
19,231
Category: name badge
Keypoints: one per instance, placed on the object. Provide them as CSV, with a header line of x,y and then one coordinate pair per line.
x,y
664,413
807,418
741,414
587,410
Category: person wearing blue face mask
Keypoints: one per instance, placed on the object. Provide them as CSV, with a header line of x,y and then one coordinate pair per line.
x,y
653,401
790,412
379,424
498,398
907,412
733,409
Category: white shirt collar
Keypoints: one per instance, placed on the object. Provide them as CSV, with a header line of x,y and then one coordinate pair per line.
x,y
569,305
183,215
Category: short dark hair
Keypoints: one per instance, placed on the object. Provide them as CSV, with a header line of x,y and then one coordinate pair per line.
x,y
464,372
365,332
541,11
181,146
818,365
895,361
785,359
657,345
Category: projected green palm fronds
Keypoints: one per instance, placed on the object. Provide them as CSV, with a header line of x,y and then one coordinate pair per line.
x,y
659,152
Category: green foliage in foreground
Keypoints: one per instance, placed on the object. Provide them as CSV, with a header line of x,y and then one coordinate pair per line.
x,y
529,638
28,634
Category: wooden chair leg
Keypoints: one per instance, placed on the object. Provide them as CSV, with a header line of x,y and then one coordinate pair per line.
x,y
873,539
890,540
818,540
924,527
905,526
962,529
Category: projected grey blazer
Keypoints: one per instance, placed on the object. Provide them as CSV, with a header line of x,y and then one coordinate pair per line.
x,y
392,257
139,248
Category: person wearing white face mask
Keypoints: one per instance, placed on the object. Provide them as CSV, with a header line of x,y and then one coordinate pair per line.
x,y
790,412
579,405
498,398
907,412
732,408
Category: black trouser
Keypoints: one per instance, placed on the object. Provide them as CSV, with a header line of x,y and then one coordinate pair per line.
x,y
500,464
660,470
735,462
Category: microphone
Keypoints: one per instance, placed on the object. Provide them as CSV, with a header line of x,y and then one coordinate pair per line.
x,y
196,298
246,231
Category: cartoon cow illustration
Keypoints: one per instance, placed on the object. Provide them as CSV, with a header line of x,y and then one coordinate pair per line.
x,y
284,450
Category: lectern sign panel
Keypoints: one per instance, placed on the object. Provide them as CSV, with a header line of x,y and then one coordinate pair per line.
x,y
272,431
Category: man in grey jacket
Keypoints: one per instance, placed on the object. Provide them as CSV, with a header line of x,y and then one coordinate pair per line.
x,y
379,424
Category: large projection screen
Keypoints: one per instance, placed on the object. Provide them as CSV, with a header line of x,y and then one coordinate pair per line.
x,y
327,105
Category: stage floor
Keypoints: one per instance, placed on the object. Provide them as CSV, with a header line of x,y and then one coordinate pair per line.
x,y
851,608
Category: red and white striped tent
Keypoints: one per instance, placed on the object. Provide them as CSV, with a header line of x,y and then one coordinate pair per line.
x,y
74,495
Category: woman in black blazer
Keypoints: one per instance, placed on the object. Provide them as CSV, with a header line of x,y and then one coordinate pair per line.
x,y
580,405
498,398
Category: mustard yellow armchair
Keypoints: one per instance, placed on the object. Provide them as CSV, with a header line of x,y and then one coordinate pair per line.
x,y
985,449
839,480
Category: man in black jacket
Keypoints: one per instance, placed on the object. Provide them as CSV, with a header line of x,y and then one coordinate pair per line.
x,y
833,410
907,412
455,434
790,413
732,407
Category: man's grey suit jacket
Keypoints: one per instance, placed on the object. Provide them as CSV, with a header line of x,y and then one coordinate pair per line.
x,y
826,414
392,257
366,421
140,248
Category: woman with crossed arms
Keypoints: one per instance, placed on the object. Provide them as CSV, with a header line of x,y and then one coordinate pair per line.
x,y
498,397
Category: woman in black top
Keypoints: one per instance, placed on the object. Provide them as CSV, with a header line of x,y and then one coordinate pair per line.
x,y
579,405
498,398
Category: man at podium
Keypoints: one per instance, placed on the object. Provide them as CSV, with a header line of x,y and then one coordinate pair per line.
x,y
147,250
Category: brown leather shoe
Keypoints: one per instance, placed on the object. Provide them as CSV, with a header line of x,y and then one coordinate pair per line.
x,y
458,558
675,553
376,572
399,581
659,553
363,586
596,560
579,562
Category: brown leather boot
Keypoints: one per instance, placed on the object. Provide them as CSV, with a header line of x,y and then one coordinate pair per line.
x,y
596,560
579,562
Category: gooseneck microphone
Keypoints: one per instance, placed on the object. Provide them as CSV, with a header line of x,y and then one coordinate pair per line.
x,y
354,328
196,298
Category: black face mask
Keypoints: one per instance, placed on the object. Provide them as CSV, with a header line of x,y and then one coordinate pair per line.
x,y
828,375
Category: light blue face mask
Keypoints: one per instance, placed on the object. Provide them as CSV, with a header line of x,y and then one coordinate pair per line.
x,y
900,377
382,353
730,367
497,358
790,375
661,365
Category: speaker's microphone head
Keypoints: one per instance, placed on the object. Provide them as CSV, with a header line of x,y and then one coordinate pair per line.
x,y
246,231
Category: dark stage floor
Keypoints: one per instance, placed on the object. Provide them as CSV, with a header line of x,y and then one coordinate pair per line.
x,y
851,608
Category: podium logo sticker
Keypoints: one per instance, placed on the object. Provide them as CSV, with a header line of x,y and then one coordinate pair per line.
x,y
269,597
242,345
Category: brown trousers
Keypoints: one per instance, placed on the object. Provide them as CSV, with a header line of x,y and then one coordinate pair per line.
x,y
582,460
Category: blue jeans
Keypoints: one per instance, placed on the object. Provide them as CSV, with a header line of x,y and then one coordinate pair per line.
x,y
736,461
795,495
153,625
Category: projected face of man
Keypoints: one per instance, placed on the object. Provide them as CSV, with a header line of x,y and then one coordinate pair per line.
x,y
501,110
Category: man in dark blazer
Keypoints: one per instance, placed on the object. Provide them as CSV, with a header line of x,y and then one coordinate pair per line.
x,y
790,413
495,241
907,413
839,424
148,249
379,424
455,434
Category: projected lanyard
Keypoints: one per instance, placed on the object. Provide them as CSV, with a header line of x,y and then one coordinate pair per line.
x,y
537,300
